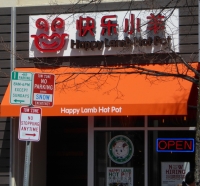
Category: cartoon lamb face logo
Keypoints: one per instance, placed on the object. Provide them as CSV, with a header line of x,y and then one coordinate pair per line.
x,y
52,43
120,149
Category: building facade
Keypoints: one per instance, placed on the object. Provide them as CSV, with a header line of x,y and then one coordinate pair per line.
x,y
101,111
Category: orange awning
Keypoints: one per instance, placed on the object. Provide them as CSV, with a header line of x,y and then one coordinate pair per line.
x,y
82,92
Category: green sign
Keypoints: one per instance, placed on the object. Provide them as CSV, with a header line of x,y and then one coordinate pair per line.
x,y
120,149
21,88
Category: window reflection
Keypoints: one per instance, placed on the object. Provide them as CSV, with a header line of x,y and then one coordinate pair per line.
x,y
171,121
103,161
119,121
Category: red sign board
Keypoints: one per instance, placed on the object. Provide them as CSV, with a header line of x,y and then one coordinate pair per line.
x,y
43,89
29,124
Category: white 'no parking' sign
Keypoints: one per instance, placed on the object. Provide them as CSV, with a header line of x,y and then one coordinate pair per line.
x,y
29,124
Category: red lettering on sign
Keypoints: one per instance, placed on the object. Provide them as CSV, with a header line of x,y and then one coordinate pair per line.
x,y
175,145
188,144
161,145
170,144
179,145
109,25
35,129
156,23
43,89
30,117
85,25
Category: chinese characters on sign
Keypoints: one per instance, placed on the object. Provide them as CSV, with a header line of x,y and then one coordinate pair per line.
x,y
103,33
173,173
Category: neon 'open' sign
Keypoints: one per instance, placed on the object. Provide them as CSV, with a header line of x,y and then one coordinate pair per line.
x,y
175,145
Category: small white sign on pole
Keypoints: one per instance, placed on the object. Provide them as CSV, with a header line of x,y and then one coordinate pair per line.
x,y
29,124
21,88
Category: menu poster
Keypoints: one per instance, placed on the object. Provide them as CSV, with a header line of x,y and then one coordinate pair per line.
x,y
119,176
173,173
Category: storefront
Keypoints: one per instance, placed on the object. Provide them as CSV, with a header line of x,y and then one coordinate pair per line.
x,y
110,124
77,134
75,150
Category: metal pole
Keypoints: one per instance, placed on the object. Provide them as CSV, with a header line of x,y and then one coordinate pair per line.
x,y
145,152
90,176
12,66
13,39
27,163
199,29
197,145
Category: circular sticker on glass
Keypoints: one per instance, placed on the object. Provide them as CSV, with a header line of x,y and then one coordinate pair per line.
x,y
120,149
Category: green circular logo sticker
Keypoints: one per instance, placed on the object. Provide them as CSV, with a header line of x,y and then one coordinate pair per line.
x,y
120,149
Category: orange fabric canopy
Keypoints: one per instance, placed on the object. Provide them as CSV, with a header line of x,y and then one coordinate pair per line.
x,y
83,92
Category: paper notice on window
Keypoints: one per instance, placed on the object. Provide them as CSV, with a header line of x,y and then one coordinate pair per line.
x,y
173,173
119,176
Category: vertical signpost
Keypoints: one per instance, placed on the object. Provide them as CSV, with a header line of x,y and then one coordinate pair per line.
x,y
27,163
29,130
20,93
25,92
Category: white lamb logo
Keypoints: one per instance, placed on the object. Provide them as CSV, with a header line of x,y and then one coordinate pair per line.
x,y
120,149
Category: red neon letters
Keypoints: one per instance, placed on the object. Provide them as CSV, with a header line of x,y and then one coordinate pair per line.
x,y
175,145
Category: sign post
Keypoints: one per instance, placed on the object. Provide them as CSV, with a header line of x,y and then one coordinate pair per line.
x,y
21,88
27,163
29,130
40,93
43,89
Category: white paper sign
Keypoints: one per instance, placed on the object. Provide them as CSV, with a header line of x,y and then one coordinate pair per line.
x,y
119,175
29,124
173,173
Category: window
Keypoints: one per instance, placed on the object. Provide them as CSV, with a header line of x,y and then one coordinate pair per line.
x,y
143,132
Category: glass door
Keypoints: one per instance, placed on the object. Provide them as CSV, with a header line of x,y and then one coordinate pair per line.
x,y
67,151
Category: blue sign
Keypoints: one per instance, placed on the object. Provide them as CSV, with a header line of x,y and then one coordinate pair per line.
x,y
175,145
